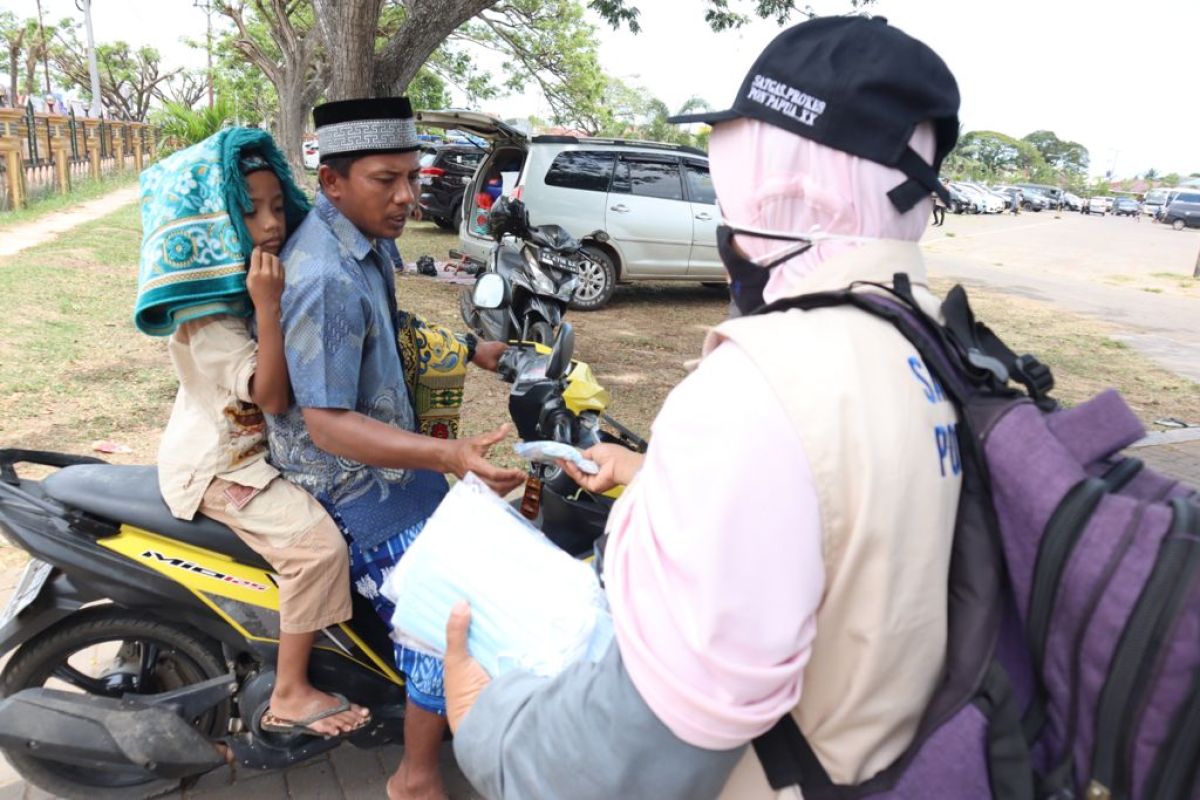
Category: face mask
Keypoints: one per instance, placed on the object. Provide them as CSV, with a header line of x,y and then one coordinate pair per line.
x,y
748,279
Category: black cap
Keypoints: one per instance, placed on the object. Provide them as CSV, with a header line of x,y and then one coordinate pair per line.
x,y
365,126
858,85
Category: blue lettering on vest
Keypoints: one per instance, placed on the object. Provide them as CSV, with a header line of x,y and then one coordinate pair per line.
x,y
929,384
918,371
946,439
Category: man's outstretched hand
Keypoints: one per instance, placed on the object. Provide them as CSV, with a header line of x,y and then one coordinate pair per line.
x,y
487,355
470,455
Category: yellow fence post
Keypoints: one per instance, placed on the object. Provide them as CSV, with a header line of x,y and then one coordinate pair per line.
x,y
139,141
11,133
60,146
118,140
92,126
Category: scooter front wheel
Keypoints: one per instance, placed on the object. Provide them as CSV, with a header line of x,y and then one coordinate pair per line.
x,y
542,333
111,651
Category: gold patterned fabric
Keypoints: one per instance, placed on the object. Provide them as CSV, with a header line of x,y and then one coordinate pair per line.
x,y
435,369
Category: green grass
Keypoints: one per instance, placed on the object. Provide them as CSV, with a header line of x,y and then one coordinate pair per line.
x,y
81,191
425,238
72,366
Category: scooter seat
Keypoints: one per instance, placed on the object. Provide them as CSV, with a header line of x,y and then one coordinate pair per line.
x,y
129,494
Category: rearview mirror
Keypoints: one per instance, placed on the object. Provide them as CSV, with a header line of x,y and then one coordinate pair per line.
x,y
563,352
491,291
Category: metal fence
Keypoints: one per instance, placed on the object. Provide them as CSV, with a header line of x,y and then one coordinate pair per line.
x,y
32,144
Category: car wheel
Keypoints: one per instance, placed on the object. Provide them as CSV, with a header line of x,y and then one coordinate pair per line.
x,y
456,217
597,280
445,224
1178,225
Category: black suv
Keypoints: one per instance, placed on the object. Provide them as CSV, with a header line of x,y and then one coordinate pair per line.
x,y
445,172
1183,211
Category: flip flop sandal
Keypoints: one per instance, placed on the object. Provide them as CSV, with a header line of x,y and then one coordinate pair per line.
x,y
301,726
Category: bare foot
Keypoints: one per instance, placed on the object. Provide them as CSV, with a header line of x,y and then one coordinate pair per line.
x,y
304,702
405,786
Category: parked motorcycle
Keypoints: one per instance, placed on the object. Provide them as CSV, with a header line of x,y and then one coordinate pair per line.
x,y
557,399
140,642
542,264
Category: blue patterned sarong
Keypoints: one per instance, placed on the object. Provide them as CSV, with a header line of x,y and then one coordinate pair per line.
x,y
368,570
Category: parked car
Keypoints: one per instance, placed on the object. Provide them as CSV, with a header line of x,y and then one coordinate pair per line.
x,y
981,202
312,154
995,202
1098,205
959,202
1183,211
1155,200
1052,194
1073,202
1030,199
655,201
446,170
1126,207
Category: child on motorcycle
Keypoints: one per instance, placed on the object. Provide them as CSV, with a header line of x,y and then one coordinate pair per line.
x,y
213,454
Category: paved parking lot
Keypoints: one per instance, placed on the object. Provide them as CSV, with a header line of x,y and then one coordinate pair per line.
x,y
1136,275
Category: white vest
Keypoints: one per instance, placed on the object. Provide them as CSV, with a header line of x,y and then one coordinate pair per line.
x,y
879,436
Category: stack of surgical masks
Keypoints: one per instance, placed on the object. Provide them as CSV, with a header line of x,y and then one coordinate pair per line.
x,y
533,606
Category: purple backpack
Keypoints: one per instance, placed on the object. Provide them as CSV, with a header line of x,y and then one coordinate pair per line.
x,y
1073,657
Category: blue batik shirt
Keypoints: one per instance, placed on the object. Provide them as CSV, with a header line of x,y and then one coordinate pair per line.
x,y
338,313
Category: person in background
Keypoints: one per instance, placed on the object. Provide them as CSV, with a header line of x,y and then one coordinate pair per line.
x,y
939,210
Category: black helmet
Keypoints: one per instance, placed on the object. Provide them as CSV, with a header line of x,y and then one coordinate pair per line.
x,y
508,216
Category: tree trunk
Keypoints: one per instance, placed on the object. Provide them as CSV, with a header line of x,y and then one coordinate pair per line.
x,y
30,72
428,24
12,76
294,105
349,32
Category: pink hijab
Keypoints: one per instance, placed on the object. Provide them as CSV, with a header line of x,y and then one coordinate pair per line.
x,y
680,573
770,179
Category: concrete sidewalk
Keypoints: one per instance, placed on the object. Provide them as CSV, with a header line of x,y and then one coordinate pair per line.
x,y
28,234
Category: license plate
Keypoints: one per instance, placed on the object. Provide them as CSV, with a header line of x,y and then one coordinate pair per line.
x,y
426,180
35,575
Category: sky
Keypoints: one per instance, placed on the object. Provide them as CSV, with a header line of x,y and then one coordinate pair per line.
x,y
1122,83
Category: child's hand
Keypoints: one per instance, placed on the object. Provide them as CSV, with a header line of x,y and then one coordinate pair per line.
x,y
264,281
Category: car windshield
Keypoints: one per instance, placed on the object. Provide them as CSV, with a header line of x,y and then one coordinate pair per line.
x,y
427,159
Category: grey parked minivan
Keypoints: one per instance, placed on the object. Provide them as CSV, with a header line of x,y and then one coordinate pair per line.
x,y
655,201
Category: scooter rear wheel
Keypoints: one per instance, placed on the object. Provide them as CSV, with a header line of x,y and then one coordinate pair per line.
x,y
90,652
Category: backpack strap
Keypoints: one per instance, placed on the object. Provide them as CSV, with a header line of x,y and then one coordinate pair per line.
x,y
788,759
986,350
